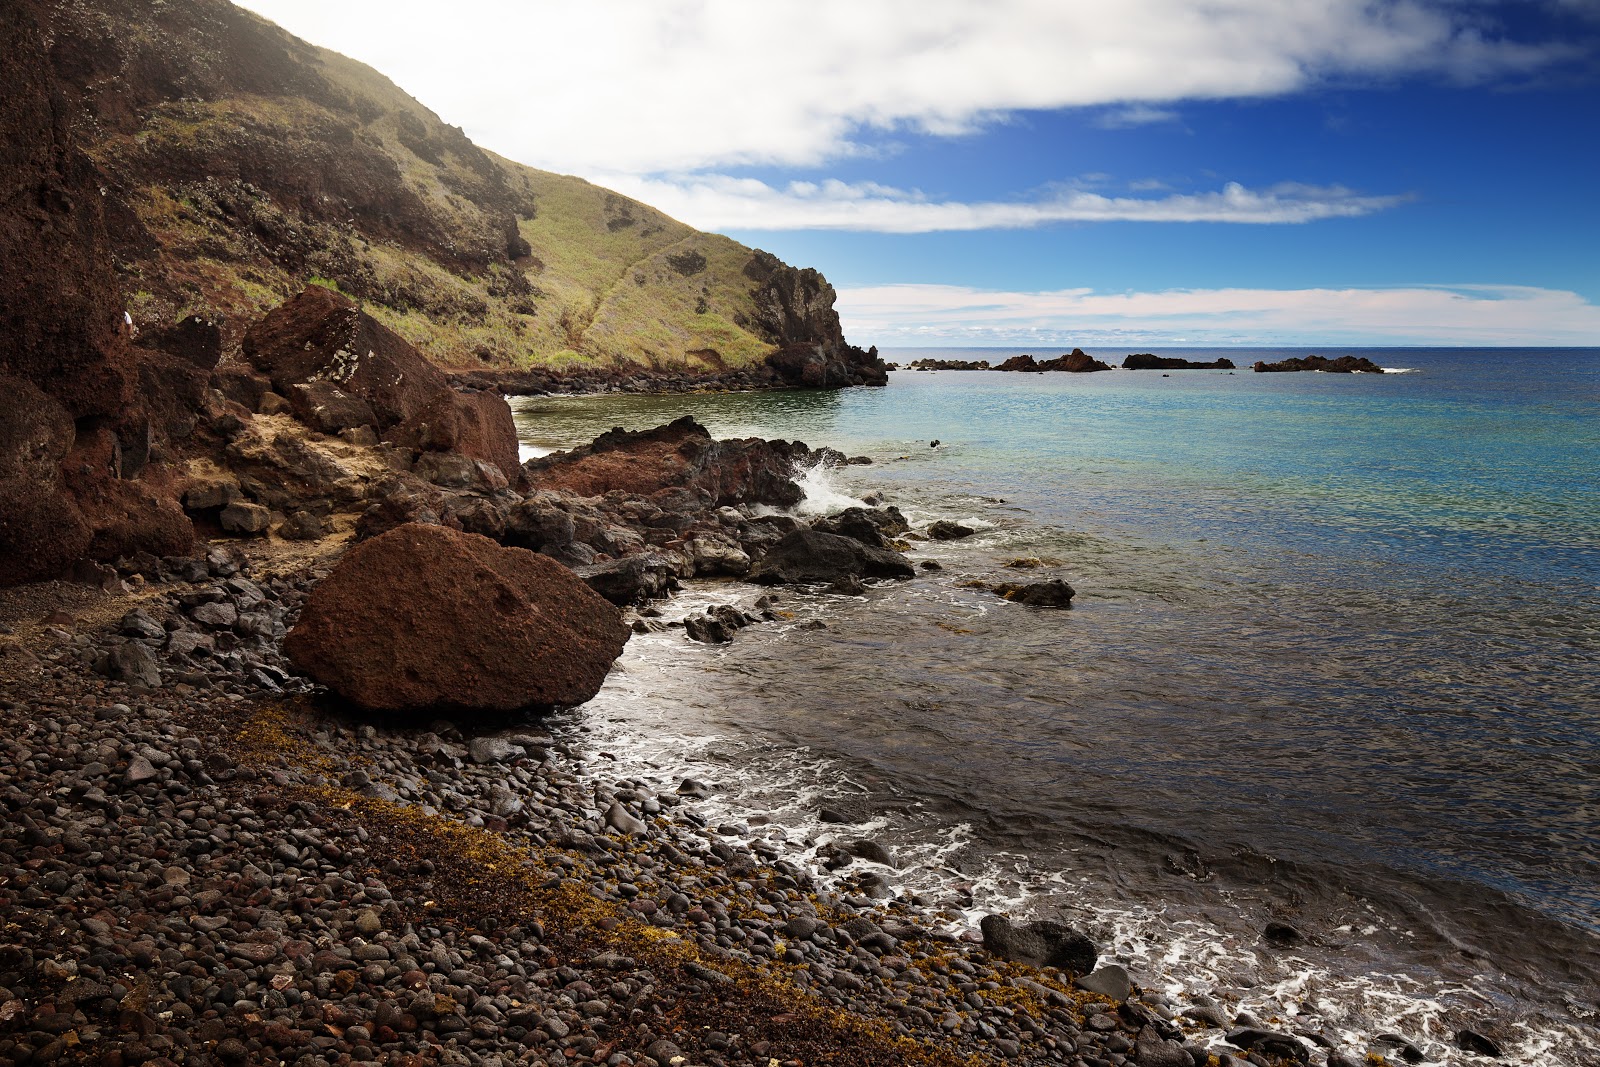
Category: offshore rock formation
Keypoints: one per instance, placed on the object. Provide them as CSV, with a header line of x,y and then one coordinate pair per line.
x,y
1074,362
1148,361
949,364
1342,365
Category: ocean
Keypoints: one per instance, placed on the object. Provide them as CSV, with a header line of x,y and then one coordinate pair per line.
x,y
1334,662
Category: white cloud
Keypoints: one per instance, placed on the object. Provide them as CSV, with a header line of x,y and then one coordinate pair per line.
x,y
918,315
652,86
717,202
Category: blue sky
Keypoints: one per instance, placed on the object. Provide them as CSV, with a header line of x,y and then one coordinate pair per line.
x,y
1051,172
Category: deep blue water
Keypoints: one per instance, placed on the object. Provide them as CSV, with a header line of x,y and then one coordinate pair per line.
x,y
1336,639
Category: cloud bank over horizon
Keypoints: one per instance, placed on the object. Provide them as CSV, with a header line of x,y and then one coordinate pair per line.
x,y
686,87
1034,169
1472,315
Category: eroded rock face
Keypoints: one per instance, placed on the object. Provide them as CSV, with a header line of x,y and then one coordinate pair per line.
x,y
794,311
425,617
60,309
41,529
678,455
338,366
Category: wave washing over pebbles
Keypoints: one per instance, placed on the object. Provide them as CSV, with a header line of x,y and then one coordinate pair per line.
x,y
658,711
1312,679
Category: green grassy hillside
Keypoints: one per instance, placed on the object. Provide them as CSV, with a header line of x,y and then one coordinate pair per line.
x,y
243,163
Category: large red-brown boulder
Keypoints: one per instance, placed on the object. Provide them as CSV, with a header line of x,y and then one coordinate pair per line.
x,y
424,617
477,425
681,454
322,335
320,347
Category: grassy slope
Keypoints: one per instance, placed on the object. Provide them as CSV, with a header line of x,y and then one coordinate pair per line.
x,y
598,289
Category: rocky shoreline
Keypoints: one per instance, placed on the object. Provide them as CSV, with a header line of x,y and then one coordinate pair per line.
x,y
219,867
206,859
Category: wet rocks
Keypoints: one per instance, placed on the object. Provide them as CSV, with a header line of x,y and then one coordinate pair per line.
x,y
1042,944
1475,1043
1110,981
871,526
633,579
717,625
423,617
1053,593
945,530
806,556
1341,365
1270,1043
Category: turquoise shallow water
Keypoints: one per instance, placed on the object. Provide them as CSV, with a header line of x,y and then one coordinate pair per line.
x,y
1333,659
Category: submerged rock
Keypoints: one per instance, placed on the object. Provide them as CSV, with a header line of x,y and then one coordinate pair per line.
x,y
945,530
424,616
1051,594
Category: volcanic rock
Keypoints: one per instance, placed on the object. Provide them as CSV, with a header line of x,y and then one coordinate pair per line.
x,y
680,454
1150,361
423,617
1050,594
41,530
945,530
870,526
1076,362
793,309
345,359
807,556
326,408
1342,365
1269,1043
1041,944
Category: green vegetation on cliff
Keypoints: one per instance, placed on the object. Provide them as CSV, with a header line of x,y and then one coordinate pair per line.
x,y
243,163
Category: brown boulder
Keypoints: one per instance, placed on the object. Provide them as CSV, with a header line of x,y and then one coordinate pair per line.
x,y
425,617
477,425
681,454
322,335
340,368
